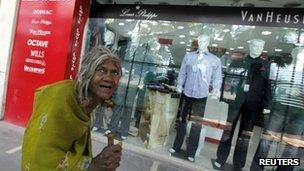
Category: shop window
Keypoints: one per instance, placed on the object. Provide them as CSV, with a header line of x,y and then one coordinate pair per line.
x,y
147,101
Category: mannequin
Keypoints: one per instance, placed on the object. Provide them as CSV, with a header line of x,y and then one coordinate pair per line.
x,y
133,44
123,99
214,64
154,52
286,119
253,97
203,43
197,70
256,48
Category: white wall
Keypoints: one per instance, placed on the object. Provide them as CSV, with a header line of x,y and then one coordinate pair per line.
x,y
8,12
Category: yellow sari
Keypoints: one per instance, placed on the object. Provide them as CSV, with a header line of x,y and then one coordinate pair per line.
x,y
57,136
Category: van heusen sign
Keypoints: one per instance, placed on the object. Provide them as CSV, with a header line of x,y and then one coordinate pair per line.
x,y
275,17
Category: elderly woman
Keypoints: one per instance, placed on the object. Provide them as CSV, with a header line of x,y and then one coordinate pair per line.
x,y
58,136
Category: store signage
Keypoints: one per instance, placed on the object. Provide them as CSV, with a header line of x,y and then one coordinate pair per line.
x,y
138,13
276,17
46,49
81,15
272,17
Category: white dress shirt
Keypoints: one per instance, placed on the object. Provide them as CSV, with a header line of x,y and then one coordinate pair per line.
x,y
197,71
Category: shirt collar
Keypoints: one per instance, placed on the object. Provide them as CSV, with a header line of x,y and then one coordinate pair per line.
x,y
254,58
204,53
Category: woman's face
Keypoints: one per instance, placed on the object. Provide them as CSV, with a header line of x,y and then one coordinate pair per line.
x,y
105,80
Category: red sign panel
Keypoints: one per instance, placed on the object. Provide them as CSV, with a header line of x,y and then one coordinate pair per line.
x,y
44,51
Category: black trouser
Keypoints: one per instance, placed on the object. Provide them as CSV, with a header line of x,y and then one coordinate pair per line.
x,y
283,119
139,106
185,109
185,106
247,122
193,141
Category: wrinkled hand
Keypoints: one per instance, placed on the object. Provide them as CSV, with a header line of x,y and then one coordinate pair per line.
x,y
107,160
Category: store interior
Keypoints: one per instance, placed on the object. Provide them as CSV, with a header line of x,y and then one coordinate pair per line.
x,y
152,53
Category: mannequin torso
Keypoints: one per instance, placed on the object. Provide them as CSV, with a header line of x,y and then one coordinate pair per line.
x,y
255,88
291,75
198,69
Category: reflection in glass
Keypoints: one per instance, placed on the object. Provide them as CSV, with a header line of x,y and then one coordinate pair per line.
x,y
151,52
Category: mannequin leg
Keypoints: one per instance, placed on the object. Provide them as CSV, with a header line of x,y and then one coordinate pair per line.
x,y
274,124
98,118
294,130
245,132
187,107
180,106
139,106
125,121
195,131
118,111
193,140
225,143
290,151
181,127
261,152
180,134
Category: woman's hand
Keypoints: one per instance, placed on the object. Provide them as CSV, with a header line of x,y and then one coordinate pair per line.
x,y
107,160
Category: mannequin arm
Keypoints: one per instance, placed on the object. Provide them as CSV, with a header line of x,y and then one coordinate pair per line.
x,y
179,90
182,76
216,94
268,95
217,80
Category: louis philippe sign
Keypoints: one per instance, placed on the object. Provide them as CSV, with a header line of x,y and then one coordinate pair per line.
x,y
138,13
275,17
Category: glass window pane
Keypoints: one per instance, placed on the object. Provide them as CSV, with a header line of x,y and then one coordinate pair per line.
x,y
264,92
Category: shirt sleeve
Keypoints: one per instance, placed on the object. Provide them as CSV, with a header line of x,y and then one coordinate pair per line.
x,y
273,71
182,75
267,99
217,76
55,139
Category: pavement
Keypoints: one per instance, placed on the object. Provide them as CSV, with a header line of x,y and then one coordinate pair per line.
x,y
10,146
133,158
